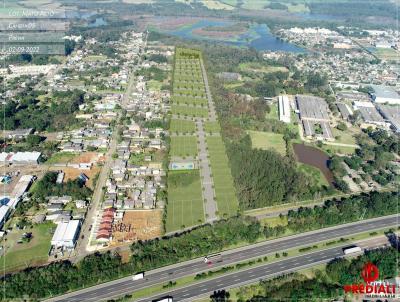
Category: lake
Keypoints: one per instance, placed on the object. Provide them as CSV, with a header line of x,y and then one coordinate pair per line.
x,y
314,157
257,36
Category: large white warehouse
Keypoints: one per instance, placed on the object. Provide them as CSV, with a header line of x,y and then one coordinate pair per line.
x,y
66,234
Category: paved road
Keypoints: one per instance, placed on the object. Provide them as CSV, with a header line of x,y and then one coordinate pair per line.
x,y
211,108
207,182
126,285
252,275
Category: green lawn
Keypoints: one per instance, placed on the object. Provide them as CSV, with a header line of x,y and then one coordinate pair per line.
x,y
183,146
182,126
389,54
223,182
61,158
345,137
212,127
189,111
185,201
273,114
154,85
313,173
268,140
257,68
35,252
189,100
330,149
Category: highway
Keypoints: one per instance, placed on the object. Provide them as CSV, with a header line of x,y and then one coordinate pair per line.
x,y
240,278
162,275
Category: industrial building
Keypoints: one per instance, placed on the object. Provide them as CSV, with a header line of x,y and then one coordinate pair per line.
x,y
392,115
66,234
344,110
314,115
20,158
369,114
4,213
385,95
284,108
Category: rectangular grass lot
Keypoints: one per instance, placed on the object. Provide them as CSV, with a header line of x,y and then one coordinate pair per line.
x,y
182,126
185,202
268,140
223,182
183,146
189,111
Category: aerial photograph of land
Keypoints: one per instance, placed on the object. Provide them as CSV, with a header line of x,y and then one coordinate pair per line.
x,y
200,150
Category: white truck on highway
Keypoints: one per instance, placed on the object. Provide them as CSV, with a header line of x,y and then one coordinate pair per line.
x,y
138,276
351,250
164,299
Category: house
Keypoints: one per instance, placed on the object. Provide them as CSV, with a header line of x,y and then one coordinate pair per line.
x,y
80,204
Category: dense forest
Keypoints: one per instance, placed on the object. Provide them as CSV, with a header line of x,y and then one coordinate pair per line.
x,y
47,186
262,177
52,114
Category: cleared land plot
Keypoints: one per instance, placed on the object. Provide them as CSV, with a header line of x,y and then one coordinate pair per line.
x,y
73,173
254,67
138,225
35,252
389,54
183,146
182,126
223,182
212,127
61,158
185,201
189,111
267,141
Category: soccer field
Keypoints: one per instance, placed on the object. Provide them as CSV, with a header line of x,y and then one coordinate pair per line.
x,y
268,140
223,182
185,202
183,146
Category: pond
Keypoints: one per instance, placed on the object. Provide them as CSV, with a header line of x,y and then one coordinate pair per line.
x,y
314,157
257,36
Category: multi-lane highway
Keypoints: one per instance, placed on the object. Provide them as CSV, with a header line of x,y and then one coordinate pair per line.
x,y
127,285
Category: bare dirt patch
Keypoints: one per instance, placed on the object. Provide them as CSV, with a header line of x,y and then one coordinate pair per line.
x,y
137,225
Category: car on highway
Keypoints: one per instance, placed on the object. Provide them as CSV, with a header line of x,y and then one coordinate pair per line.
x,y
210,259
138,276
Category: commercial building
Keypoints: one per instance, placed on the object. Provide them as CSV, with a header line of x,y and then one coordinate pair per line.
x,y
392,115
385,94
66,234
4,213
20,158
345,110
314,115
369,114
284,108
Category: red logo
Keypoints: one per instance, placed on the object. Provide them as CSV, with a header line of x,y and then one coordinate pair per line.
x,y
370,272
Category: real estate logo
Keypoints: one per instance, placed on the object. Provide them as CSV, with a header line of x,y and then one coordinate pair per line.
x,y
372,288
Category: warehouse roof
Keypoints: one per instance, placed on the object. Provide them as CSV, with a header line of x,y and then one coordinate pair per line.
x,y
385,92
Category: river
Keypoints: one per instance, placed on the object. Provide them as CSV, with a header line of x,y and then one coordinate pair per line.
x,y
257,36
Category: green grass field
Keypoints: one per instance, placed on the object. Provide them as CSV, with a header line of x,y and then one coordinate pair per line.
x,y
61,158
389,54
189,101
223,182
189,111
212,127
256,68
182,126
267,141
273,114
35,252
313,173
185,201
183,146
